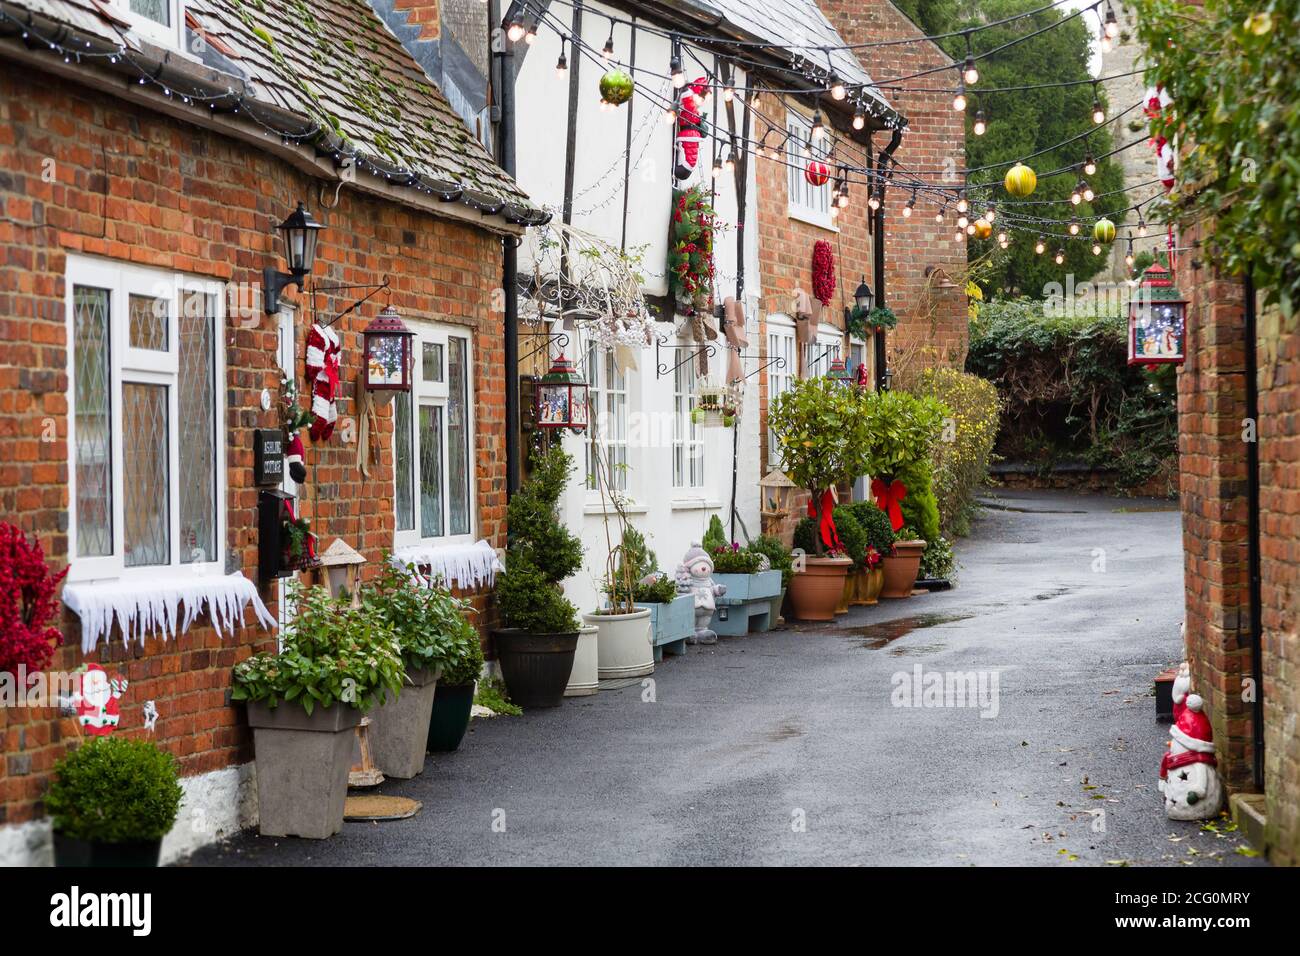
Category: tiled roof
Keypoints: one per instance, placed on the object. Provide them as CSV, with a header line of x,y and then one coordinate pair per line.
x,y
799,23
335,62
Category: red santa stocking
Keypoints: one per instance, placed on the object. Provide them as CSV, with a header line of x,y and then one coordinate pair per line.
x,y
322,363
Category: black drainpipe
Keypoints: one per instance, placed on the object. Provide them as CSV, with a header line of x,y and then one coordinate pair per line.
x,y
509,269
878,259
1252,536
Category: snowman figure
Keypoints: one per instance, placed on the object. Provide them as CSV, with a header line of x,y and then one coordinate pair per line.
x,y
96,701
1188,778
695,576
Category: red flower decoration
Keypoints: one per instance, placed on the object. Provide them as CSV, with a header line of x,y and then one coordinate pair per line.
x,y
27,604
823,272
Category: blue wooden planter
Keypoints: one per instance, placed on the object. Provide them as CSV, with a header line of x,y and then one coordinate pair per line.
x,y
750,587
672,624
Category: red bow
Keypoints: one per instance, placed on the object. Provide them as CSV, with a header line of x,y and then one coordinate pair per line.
x,y
889,499
830,537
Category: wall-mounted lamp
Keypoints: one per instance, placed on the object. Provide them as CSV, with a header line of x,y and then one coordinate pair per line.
x,y
299,232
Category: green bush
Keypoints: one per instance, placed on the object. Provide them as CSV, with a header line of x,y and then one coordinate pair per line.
x,y
778,556
541,552
851,535
729,560
331,652
114,790
937,560
662,590
1068,393
805,535
716,536
428,621
464,664
875,524
961,456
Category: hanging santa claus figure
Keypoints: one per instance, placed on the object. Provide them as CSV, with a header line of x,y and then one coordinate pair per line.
x,y
96,701
691,128
1188,778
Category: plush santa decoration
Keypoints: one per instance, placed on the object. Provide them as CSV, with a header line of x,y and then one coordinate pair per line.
x,y
294,459
96,701
1188,778
322,362
690,128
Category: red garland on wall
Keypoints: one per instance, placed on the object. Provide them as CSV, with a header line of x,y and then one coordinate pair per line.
x,y
27,604
823,272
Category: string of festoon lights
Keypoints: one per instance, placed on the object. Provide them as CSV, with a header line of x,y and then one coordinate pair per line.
x,y
853,167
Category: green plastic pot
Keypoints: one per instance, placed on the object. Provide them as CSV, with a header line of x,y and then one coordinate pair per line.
x,y
450,717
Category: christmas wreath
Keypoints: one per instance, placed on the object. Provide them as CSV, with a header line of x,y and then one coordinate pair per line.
x,y
862,323
823,272
690,254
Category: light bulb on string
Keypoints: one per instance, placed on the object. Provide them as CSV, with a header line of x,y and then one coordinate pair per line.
x,y
818,127
960,235
1111,27
562,64
1128,255
805,148
838,89
1088,194
515,31
670,114
981,126
1142,228
962,204
844,198
530,36
962,221
728,94
859,118
911,204
607,51
970,229
990,213
938,216
874,201
1040,247
1002,238
1098,112
1060,256
1089,165
717,166
969,72
959,100
1074,227
675,71
1096,248
1076,197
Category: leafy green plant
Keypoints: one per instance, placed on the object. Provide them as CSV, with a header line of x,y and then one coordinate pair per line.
x,y
715,536
875,525
464,662
778,555
661,590
824,431
332,653
640,565
937,560
733,559
961,456
1229,67
492,695
541,552
851,535
114,790
427,621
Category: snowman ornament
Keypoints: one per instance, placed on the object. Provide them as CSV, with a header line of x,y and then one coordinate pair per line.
x,y
1188,778
695,577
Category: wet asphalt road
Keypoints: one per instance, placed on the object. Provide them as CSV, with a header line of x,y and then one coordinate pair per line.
x,y
784,748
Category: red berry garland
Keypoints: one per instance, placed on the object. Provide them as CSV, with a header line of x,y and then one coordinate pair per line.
x,y
823,272
27,604
690,260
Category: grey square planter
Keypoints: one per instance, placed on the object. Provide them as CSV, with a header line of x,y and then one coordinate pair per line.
x,y
750,587
399,728
302,767
671,624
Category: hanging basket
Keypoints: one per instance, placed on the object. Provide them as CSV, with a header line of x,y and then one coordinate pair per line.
x,y
714,407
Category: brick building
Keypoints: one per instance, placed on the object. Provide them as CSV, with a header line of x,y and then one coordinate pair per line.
x,y
1241,523
147,161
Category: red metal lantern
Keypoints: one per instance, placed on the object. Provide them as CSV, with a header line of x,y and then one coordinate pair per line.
x,y
561,397
388,353
817,173
1157,320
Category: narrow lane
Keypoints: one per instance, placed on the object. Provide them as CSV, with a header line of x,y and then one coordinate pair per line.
x,y
788,747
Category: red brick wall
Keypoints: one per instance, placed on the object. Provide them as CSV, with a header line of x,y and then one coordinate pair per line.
x,y
932,327
133,186
424,13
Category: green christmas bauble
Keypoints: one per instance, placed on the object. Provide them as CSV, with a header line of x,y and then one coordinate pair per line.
x,y
1103,231
616,87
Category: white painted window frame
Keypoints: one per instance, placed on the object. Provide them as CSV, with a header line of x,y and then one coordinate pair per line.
x,y
687,435
148,367
438,394
602,428
780,342
806,202
172,36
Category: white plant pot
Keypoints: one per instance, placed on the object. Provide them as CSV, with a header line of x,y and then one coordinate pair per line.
x,y
625,644
584,679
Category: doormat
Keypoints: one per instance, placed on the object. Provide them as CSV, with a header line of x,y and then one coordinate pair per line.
x,y
372,806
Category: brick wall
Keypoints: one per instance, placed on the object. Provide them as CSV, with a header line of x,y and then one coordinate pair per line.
x,y
932,327
138,187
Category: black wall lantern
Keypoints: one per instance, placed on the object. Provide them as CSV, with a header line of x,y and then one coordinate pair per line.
x,y
299,233
863,297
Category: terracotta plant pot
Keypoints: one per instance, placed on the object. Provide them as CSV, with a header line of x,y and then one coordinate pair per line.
x,y
901,569
815,591
861,581
848,593
536,667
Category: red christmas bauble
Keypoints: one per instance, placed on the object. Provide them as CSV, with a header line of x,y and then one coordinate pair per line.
x,y
817,173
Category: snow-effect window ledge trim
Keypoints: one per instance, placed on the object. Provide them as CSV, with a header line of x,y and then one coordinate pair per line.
x,y
466,566
162,603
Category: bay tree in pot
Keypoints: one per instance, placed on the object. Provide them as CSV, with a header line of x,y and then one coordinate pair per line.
x,y
425,618
824,435
535,647
112,801
453,698
335,665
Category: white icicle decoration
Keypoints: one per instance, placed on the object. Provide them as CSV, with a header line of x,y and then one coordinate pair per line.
x,y
467,566
152,605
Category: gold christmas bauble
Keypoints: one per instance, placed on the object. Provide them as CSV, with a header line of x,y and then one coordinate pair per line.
x,y
1020,180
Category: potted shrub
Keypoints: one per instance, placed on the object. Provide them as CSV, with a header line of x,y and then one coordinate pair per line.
x,y
880,542
744,572
902,564
336,663
536,645
111,802
852,545
779,559
425,621
672,615
453,696
824,434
